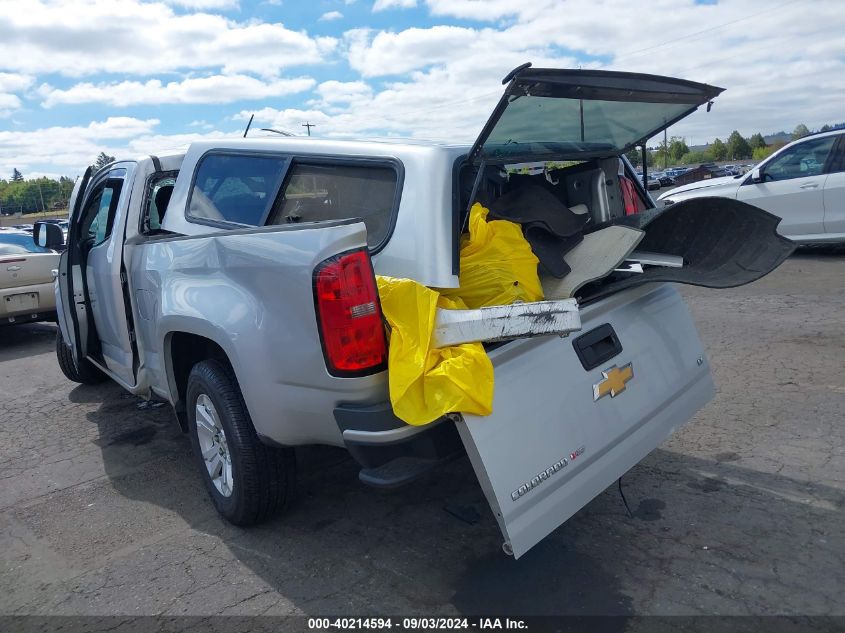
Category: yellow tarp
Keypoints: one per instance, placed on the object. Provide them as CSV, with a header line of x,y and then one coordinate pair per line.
x,y
427,383
497,268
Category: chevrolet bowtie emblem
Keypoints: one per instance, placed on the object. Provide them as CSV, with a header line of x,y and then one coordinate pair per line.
x,y
613,382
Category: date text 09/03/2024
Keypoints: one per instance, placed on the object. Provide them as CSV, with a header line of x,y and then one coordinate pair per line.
x,y
416,623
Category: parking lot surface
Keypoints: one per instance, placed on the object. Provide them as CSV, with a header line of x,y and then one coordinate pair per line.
x,y
741,512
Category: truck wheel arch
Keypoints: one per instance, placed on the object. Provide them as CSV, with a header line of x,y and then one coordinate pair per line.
x,y
183,350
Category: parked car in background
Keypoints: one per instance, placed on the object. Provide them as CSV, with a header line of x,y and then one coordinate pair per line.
x,y
26,279
653,183
665,179
26,228
803,183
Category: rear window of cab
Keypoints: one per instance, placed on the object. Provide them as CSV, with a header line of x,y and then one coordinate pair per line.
x,y
264,189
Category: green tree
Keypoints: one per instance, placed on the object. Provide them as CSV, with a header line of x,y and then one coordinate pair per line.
x,y
800,131
103,159
757,141
759,153
825,128
16,176
677,148
718,150
660,155
634,156
738,147
694,158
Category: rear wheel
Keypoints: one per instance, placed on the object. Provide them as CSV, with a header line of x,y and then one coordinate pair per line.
x,y
247,480
82,372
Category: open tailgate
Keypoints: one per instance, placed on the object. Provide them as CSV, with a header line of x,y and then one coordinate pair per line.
x,y
563,428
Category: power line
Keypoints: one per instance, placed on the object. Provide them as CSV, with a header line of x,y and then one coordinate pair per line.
x,y
688,36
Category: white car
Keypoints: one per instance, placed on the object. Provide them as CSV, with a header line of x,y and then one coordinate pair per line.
x,y
26,279
803,183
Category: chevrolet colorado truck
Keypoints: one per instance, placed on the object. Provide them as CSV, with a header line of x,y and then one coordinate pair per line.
x,y
236,282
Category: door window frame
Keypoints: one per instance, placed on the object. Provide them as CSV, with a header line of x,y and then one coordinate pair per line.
x,y
115,173
837,143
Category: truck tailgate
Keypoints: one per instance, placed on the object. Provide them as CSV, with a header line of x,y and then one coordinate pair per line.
x,y
560,434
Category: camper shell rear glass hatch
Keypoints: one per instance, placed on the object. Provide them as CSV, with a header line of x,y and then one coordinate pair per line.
x,y
547,114
573,126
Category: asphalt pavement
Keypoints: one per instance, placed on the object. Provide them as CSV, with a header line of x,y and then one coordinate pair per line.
x,y
741,512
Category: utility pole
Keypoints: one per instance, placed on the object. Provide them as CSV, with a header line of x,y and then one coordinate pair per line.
x,y
40,195
309,126
665,149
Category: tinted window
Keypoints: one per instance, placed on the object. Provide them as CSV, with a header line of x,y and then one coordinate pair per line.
x,y
314,193
100,210
17,244
802,160
237,189
551,125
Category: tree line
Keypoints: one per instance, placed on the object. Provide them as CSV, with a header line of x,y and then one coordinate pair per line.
x,y
33,195
737,147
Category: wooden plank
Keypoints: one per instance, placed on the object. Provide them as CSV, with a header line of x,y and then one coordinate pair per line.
x,y
499,323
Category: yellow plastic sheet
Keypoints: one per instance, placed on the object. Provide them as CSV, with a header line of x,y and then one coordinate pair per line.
x,y
427,383
498,266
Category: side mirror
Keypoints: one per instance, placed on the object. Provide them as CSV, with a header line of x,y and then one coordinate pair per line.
x,y
48,235
757,176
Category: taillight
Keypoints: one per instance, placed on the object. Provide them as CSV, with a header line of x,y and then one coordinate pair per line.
x,y
349,315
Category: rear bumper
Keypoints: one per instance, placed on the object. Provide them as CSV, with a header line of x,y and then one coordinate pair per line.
x,y
28,318
45,311
390,452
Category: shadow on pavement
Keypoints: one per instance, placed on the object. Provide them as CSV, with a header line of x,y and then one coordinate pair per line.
x,y
700,529
26,339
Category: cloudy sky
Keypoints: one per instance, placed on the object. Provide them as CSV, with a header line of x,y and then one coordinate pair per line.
x,y
132,76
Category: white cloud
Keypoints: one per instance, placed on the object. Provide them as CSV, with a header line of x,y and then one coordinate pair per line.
x,y
201,123
126,37
9,84
343,91
773,63
781,66
394,53
476,9
8,104
381,5
331,15
12,82
214,89
205,4
69,149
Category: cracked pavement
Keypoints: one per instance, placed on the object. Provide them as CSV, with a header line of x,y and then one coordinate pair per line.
x,y
741,512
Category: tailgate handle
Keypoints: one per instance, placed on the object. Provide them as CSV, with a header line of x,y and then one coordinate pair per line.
x,y
597,346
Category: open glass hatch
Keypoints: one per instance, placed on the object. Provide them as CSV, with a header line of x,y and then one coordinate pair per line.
x,y
547,114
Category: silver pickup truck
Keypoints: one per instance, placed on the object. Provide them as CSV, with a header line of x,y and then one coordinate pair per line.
x,y
236,281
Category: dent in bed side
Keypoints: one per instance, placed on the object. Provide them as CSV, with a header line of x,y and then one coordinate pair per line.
x,y
250,294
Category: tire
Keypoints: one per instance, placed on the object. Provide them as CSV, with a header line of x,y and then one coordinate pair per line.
x,y
84,373
247,480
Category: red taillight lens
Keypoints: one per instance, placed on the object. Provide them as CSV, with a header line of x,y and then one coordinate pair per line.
x,y
349,315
